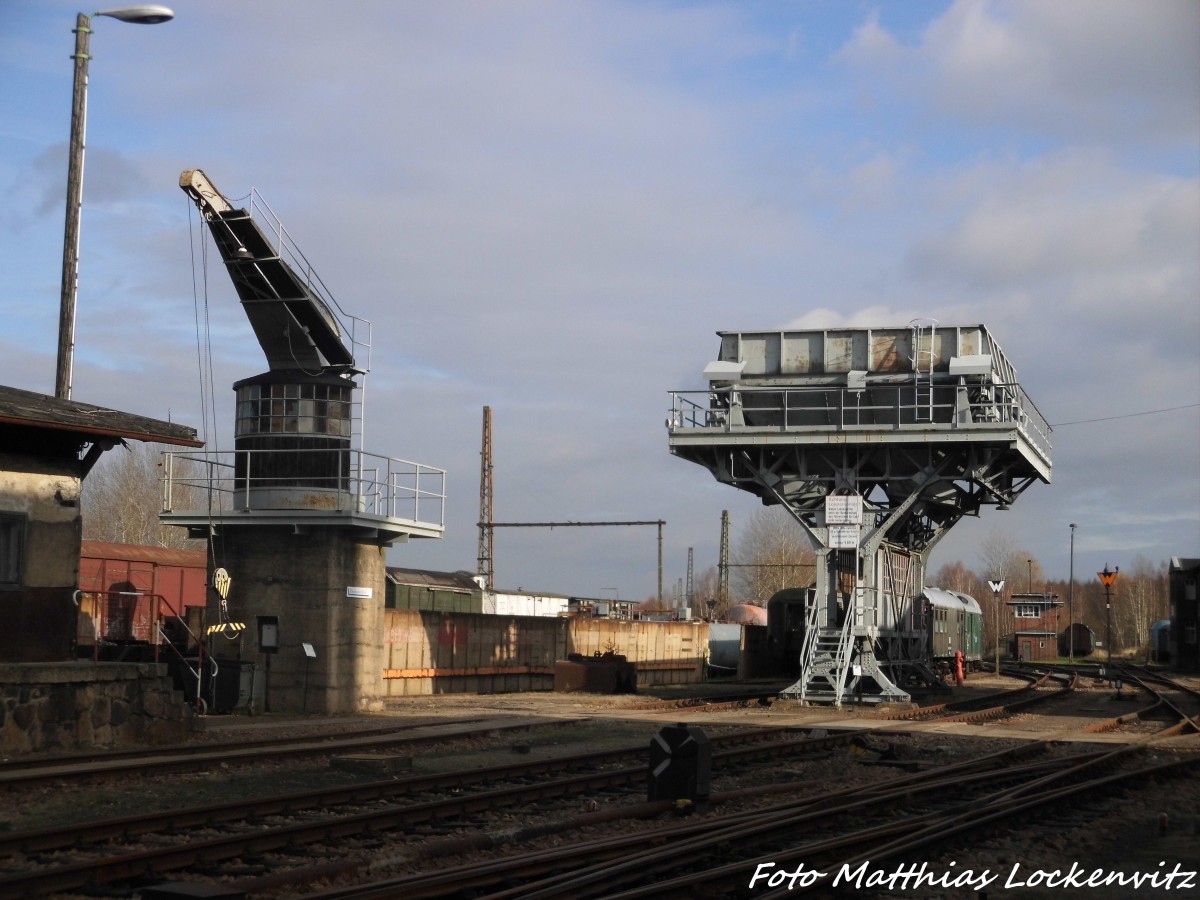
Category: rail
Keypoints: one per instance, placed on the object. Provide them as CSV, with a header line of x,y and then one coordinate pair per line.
x,y
873,408
342,480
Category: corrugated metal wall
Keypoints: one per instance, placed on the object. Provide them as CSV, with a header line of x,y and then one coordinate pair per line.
x,y
435,653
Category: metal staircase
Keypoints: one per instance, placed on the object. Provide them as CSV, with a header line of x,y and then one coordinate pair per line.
x,y
840,662
824,664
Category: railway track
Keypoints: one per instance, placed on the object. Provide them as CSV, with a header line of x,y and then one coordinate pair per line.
x,y
361,830
33,857
992,706
191,758
906,814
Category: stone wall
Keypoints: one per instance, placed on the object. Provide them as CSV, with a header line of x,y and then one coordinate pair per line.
x,y
71,706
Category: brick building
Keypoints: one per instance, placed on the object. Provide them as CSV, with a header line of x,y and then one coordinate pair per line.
x,y
1035,625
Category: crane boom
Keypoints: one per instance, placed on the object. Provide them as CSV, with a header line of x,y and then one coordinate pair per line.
x,y
294,323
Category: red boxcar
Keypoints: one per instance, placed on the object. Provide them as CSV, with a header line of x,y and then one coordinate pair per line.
x,y
123,586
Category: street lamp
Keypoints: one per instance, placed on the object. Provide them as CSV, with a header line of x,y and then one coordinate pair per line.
x,y
145,14
1071,601
1107,578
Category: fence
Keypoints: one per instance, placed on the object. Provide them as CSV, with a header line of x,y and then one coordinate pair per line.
x,y
438,652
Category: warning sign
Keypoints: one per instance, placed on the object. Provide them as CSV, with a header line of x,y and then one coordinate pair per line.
x,y
843,509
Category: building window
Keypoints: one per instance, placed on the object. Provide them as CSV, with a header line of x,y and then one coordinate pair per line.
x,y
323,409
12,550
1027,612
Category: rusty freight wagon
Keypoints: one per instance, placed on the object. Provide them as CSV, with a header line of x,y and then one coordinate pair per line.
x,y
125,589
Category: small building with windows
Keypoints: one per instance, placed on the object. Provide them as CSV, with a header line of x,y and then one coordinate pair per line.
x,y
1035,623
48,446
1184,642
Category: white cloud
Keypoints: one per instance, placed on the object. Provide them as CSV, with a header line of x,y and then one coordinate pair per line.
x,y
1101,69
1062,215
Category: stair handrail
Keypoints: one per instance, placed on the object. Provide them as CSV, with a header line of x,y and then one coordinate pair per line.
x,y
842,660
809,648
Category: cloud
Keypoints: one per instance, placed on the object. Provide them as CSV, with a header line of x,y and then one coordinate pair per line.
x,y
1077,68
1062,215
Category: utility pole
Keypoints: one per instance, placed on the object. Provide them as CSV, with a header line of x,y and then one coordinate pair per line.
x,y
723,565
486,560
1071,601
690,580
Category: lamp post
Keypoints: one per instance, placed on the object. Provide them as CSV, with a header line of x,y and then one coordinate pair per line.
x,y
997,587
1107,578
1071,602
145,14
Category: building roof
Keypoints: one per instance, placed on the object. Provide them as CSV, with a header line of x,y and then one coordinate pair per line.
x,y
1043,599
460,580
32,410
164,556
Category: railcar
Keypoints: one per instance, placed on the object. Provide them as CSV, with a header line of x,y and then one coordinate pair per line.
x,y
786,612
1077,640
953,622
127,591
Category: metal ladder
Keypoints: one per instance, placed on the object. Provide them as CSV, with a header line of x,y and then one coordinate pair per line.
x,y
924,332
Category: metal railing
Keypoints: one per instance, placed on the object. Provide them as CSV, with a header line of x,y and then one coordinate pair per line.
x,y
342,480
354,328
876,407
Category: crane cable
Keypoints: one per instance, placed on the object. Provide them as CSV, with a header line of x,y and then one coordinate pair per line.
x,y
219,578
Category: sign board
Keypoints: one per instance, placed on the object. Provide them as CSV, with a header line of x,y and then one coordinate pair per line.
x,y
268,634
360,593
844,509
309,651
843,537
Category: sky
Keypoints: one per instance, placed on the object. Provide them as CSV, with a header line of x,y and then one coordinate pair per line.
x,y
550,208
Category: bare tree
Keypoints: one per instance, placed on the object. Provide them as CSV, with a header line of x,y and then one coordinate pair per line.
x,y
122,497
1000,558
1003,560
957,577
1142,601
704,589
773,553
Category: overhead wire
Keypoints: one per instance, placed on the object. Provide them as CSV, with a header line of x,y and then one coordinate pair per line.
x,y
1149,412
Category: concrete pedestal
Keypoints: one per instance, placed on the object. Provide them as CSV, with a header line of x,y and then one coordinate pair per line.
x,y
323,590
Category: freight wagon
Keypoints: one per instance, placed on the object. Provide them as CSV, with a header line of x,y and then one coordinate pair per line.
x,y
125,589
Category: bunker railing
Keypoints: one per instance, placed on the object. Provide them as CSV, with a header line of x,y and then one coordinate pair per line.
x,y
873,408
354,329
342,480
